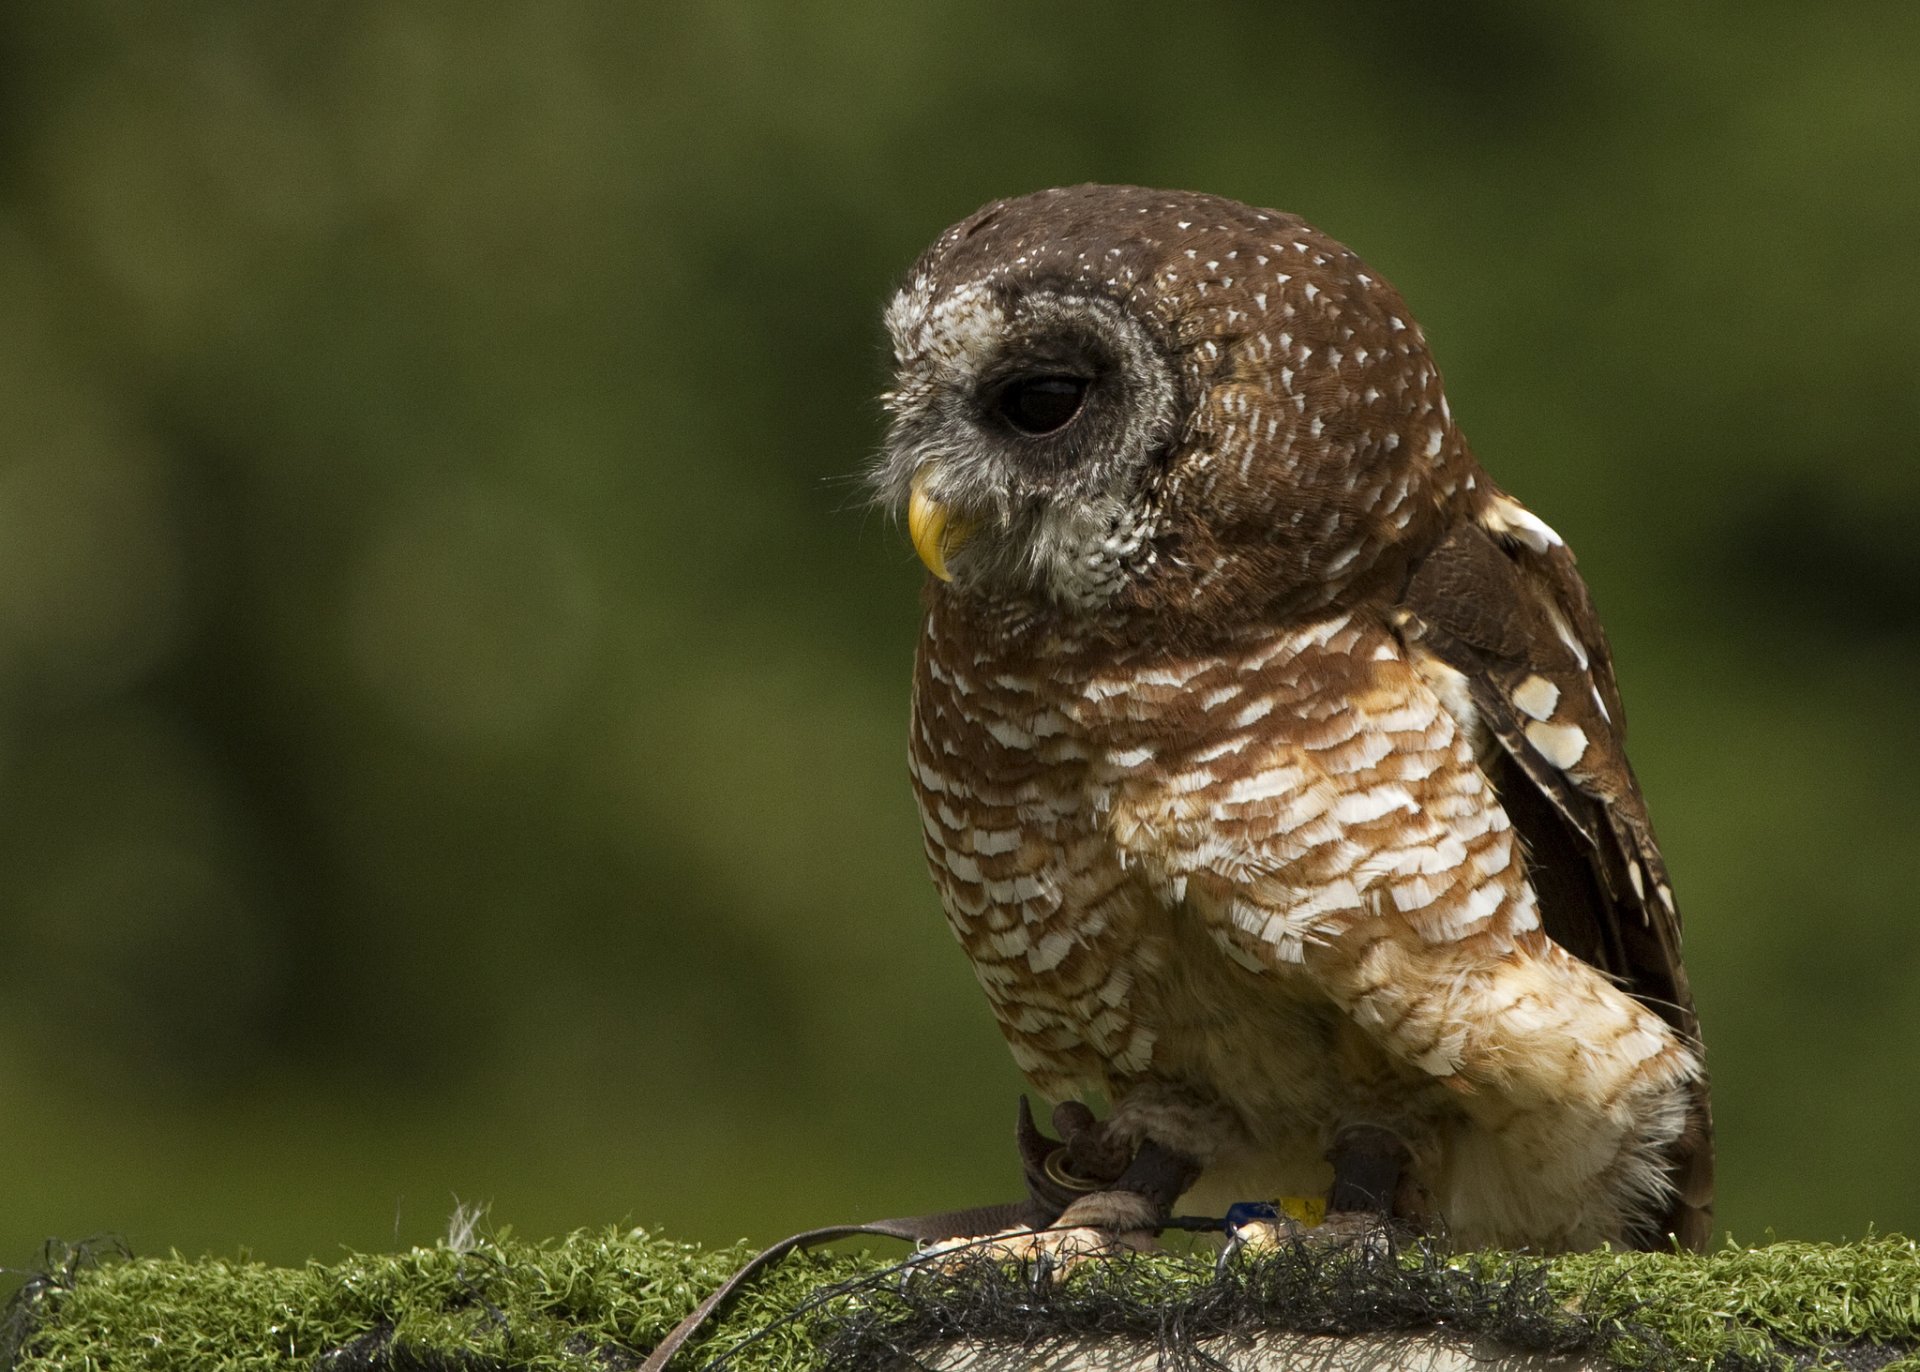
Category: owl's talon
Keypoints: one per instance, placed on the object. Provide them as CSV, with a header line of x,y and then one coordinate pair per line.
x,y
1100,1224
1255,1228
1368,1231
1263,1235
1046,1253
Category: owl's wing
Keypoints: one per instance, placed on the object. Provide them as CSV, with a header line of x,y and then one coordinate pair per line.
x,y
1498,614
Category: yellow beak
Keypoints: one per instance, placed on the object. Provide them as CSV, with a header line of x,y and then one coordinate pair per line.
x,y
934,531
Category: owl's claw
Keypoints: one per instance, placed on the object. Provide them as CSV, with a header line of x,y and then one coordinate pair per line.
x,y
1102,1224
1254,1237
1044,1253
1365,1231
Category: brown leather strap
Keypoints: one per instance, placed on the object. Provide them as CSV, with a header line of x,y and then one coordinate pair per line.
x,y
974,1222
1057,1174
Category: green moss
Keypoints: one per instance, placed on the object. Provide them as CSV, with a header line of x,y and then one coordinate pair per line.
x,y
1744,1300
539,1306
600,1299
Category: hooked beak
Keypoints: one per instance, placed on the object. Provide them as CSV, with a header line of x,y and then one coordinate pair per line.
x,y
934,530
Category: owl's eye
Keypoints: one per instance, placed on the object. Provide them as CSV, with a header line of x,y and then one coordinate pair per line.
x,y
1043,404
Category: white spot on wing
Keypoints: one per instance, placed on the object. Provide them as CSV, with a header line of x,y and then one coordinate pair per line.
x,y
1561,744
1536,697
1505,515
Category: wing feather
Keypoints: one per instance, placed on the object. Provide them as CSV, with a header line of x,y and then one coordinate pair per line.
x,y
1500,604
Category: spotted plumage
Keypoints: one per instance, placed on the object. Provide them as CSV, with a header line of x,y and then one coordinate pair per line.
x,y
1269,756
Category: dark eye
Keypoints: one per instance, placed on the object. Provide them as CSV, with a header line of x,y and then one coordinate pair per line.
x,y
1038,405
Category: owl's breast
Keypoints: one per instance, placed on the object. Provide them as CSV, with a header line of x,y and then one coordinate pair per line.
x,y
1015,793
1136,849
1066,794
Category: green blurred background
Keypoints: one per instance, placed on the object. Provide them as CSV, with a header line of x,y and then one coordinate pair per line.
x,y
452,698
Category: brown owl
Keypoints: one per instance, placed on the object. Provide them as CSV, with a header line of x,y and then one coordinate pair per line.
x,y
1269,755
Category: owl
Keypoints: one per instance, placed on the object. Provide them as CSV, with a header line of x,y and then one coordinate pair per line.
x,y
1269,755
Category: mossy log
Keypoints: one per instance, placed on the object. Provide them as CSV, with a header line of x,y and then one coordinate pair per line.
x,y
602,1299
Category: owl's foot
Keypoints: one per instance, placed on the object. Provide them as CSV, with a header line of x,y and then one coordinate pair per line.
x,y
1368,1208
1360,1230
1044,1252
1102,1224
1106,1197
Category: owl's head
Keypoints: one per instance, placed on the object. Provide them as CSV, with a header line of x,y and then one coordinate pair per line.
x,y
1112,401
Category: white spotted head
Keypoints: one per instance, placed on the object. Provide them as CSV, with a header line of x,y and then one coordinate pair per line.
x,y
1114,402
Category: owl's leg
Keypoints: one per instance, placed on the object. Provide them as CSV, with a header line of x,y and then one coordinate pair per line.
x,y
1367,1204
1364,1205
1367,1165
1111,1214
1121,1217
1140,1198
